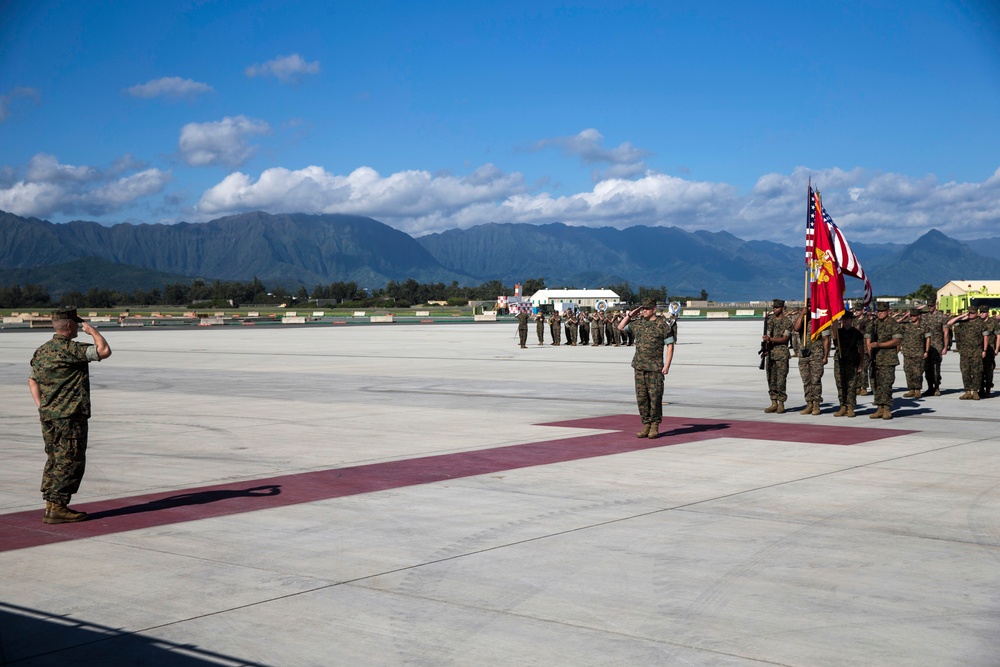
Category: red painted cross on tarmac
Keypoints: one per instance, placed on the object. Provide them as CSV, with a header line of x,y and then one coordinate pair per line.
x,y
25,529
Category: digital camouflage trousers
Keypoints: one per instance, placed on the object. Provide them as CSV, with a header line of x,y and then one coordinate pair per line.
x,y
883,378
66,458
649,395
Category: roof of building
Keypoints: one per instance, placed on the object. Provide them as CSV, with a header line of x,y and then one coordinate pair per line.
x,y
956,287
557,294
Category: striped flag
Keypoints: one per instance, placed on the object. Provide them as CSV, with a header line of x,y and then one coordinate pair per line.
x,y
826,282
847,261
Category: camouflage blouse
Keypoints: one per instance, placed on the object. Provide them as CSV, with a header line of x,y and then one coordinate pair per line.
x,y
651,336
59,366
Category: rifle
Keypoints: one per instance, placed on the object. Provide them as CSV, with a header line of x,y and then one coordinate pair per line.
x,y
765,347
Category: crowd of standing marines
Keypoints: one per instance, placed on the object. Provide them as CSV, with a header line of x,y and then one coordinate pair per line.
x,y
580,328
866,348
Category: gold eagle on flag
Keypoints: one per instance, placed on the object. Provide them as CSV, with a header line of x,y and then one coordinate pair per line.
x,y
823,266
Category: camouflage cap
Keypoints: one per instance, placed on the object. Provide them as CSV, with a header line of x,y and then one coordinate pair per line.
x,y
66,314
649,303
984,309
915,312
778,303
882,306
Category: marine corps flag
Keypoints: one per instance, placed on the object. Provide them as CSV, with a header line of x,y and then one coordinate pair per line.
x,y
826,282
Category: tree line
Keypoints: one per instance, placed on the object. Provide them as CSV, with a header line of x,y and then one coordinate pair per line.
x,y
232,294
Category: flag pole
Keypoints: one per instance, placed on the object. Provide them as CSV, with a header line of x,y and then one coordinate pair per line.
x,y
809,261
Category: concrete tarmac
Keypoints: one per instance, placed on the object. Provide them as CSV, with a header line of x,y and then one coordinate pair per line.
x,y
435,495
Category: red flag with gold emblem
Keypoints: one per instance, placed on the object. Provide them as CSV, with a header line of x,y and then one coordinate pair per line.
x,y
826,282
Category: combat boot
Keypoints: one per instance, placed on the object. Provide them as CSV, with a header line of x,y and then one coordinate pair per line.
x,y
975,396
850,410
841,412
654,431
862,392
937,391
966,396
55,513
781,408
808,410
887,413
644,433
773,407
816,410
877,414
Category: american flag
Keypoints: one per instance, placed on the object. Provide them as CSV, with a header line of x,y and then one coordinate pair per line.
x,y
847,261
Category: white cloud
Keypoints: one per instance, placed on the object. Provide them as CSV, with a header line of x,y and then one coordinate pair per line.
x,y
408,196
49,187
868,207
626,160
222,142
169,86
8,98
287,69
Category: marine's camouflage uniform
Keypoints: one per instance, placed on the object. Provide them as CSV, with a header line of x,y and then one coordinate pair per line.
x,y
59,366
522,327
915,335
651,336
777,367
886,359
969,343
811,367
540,327
597,330
990,328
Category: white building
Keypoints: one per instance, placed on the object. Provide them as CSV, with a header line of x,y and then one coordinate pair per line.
x,y
581,298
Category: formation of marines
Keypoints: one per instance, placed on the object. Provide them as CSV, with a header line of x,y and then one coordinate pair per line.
x,y
594,329
866,349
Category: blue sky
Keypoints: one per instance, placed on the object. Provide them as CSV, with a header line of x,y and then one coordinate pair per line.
x,y
431,116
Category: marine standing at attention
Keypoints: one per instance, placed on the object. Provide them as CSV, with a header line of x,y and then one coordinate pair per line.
x,y
654,350
777,330
847,364
540,327
522,327
916,348
883,340
59,382
813,356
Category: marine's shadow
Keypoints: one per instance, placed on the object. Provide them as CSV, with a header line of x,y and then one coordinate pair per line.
x,y
690,429
188,499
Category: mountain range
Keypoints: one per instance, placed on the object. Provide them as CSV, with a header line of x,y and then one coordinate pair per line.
x,y
294,249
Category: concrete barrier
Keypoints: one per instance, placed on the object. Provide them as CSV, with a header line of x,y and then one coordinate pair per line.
x,y
319,313
359,313
717,315
423,313
381,319
488,316
293,319
690,313
746,313
210,321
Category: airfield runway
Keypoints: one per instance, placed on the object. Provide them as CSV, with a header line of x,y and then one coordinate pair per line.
x,y
434,495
